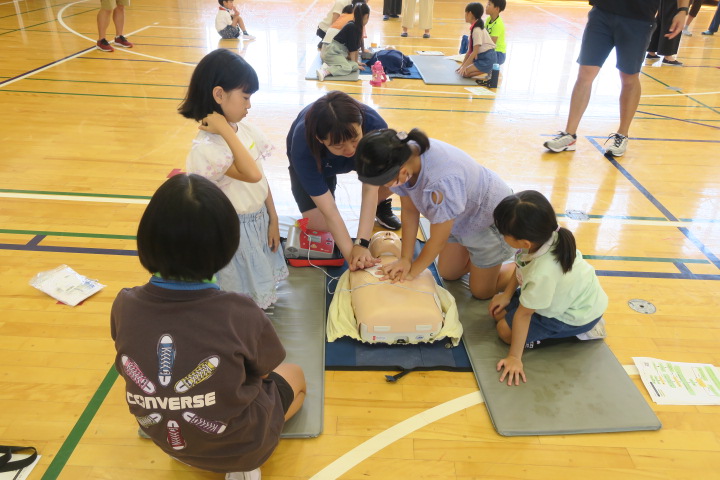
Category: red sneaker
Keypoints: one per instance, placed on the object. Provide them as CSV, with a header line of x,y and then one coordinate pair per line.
x,y
121,41
103,45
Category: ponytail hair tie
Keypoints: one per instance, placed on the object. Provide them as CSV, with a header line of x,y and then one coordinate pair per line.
x,y
402,136
558,228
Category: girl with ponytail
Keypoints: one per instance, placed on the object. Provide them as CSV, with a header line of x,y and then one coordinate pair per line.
x,y
554,293
454,192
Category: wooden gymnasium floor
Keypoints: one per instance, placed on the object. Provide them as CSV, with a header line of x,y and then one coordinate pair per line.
x,y
88,136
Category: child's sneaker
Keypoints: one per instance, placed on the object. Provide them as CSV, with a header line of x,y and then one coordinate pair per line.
x,y
247,36
619,145
596,333
562,142
254,475
121,41
103,45
323,72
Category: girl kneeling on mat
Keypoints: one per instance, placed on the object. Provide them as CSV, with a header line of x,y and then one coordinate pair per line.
x,y
481,56
454,192
559,295
202,366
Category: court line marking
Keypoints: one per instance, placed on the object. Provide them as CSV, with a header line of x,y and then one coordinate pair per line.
x,y
400,430
66,27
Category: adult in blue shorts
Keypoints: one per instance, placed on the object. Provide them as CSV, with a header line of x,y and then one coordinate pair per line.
x,y
626,26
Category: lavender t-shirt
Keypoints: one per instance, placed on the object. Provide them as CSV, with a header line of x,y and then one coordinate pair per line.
x,y
470,192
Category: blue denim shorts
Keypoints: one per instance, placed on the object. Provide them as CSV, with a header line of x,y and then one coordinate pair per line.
x,y
604,31
543,328
484,61
487,248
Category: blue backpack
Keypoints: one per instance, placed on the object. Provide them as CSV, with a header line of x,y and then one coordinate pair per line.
x,y
393,61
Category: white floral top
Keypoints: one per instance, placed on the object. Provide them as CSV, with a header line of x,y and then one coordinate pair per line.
x,y
210,157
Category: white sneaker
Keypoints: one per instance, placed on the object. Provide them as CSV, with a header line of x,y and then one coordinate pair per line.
x,y
619,144
596,333
323,72
247,36
686,31
253,475
562,142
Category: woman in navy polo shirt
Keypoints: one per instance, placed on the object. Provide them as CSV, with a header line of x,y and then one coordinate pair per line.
x,y
320,145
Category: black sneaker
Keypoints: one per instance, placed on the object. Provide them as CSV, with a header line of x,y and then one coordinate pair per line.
x,y
385,216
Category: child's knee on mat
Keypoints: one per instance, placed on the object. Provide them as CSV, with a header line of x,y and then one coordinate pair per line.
x,y
504,331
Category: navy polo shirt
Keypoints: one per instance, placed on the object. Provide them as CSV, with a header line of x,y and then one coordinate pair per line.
x,y
303,161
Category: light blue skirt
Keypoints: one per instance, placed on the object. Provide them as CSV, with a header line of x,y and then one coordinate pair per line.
x,y
255,269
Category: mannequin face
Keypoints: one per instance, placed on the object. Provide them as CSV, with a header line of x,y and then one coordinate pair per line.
x,y
385,243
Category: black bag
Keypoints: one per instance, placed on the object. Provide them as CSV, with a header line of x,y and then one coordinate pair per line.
x,y
6,452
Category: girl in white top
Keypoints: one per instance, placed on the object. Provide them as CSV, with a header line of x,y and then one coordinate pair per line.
x,y
559,295
481,56
229,153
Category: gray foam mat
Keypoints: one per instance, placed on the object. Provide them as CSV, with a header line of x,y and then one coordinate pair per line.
x,y
299,319
574,387
436,70
311,73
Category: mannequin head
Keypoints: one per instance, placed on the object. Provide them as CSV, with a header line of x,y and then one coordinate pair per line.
x,y
385,243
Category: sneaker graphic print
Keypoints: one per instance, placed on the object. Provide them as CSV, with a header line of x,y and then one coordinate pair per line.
x,y
172,425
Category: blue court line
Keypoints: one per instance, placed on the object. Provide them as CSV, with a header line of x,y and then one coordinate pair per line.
x,y
46,65
679,91
33,245
689,235
665,117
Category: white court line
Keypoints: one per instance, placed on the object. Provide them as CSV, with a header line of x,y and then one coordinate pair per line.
x,y
8,3
73,198
394,433
65,25
373,445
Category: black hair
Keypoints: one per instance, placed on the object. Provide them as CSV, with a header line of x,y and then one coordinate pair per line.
x,y
382,150
221,2
348,9
219,68
500,4
477,11
189,230
331,118
528,215
359,11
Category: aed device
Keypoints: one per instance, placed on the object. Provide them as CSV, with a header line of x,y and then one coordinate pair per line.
x,y
313,244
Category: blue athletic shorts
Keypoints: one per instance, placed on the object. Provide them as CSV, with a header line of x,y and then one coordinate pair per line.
x,y
604,31
543,328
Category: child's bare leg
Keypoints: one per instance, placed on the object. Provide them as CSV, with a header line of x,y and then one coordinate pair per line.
x,y
484,281
294,375
453,261
471,71
504,331
238,22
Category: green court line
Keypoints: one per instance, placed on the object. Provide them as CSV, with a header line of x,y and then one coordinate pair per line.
x,y
67,234
49,21
619,217
72,440
74,194
92,95
645,259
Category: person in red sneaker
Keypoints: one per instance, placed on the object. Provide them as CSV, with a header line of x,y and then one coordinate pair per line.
x,y
116,10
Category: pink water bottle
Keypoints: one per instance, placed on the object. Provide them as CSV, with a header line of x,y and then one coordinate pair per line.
x,y
378,74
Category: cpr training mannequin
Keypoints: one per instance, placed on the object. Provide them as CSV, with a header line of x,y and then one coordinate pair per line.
x,y
407,312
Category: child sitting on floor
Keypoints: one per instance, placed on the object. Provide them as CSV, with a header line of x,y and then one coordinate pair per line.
x,y
228,22
480,58
554,292
496,27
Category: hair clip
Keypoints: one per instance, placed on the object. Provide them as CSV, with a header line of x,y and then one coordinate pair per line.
x,y
401,135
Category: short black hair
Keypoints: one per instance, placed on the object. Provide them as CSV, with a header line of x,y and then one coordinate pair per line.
x,y
189,230
500,4
219,68
221,2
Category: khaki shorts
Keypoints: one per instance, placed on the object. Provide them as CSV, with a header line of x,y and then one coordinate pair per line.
x,y
110,4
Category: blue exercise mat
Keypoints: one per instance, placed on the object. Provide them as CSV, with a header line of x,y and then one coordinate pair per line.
x,y
350,354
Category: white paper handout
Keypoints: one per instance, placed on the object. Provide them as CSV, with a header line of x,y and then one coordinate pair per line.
x,y
677,383
21,474
430,52
479,91
65,284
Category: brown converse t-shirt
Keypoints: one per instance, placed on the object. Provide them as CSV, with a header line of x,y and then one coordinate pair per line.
x,y
192,361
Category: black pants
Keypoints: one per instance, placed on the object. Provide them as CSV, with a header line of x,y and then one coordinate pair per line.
x,y
658,41
392,7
